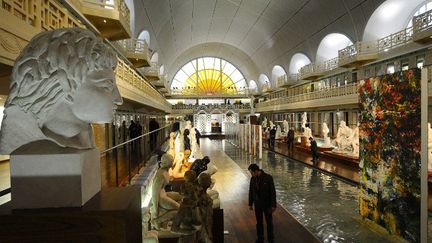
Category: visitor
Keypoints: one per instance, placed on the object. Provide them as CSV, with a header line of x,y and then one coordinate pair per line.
x,y
290,139
314,149
262,195
272,134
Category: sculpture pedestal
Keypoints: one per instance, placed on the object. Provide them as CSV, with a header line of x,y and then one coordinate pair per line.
x,y
52,177
304,141
112,215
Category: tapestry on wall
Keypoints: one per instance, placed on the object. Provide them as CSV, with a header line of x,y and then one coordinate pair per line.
x,y
390,152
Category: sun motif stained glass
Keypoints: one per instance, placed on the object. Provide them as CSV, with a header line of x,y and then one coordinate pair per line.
x,y
208,76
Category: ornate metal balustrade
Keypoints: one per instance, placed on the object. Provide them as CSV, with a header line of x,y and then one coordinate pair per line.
x,y
395,40
287,80
358,54
111,18
316,70
320,94
136,51
422,27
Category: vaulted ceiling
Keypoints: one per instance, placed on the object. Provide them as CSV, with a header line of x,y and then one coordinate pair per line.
x,y
254,34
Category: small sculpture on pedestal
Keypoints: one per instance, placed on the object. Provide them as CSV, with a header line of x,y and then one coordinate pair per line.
x,y
278,132
171,150
164,205
325,131
271,125
285,126
342,140
304,121
195,149
188,217
264,123
355,141
205,204
307,134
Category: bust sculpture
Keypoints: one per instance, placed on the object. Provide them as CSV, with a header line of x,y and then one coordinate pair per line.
x,y
164,205
62,81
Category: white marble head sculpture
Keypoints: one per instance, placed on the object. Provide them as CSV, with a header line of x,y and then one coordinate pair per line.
x,y
61,82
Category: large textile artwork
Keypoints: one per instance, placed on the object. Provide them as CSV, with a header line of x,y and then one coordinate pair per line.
x,y
390,152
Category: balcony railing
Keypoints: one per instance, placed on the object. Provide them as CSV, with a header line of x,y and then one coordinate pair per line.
x,y
136,51
286,80
111,18
349,89
395,40
315,70
422,27
129,75
152,72
358,54
212,106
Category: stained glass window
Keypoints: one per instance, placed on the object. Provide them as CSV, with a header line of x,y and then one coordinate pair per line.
x,y
208,76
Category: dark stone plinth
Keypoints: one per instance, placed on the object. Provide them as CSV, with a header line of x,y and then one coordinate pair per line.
x,y
112,215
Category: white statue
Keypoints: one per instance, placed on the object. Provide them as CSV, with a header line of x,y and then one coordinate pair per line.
x,y
278,132
195,149
271,125
62,81
325,131
355,141
171,150
285,126
264,123
343,136
304,120
308,134
164,204
429,147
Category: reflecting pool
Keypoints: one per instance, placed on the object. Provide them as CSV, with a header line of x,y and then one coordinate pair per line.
x,y
326,205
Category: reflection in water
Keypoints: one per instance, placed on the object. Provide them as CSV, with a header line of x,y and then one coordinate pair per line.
x,y
324,204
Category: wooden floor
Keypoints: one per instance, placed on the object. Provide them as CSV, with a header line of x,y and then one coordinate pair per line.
x,y
233,185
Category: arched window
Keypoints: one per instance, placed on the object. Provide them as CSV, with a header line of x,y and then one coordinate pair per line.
x,y
298,60
144,35
330,45
154,58
253,87
208,76
277,71
264,82
420,10
390,17
161,69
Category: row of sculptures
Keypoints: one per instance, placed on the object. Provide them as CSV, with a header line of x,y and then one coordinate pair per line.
x,y
190,210
346,141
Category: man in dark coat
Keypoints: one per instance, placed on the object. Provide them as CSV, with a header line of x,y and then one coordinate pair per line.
x,y
290,139
314,149
272,134
262,195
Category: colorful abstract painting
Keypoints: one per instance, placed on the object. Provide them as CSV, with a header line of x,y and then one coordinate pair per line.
x,y
390,152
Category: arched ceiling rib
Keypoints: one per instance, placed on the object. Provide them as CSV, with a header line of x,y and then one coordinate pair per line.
x,y
269,32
